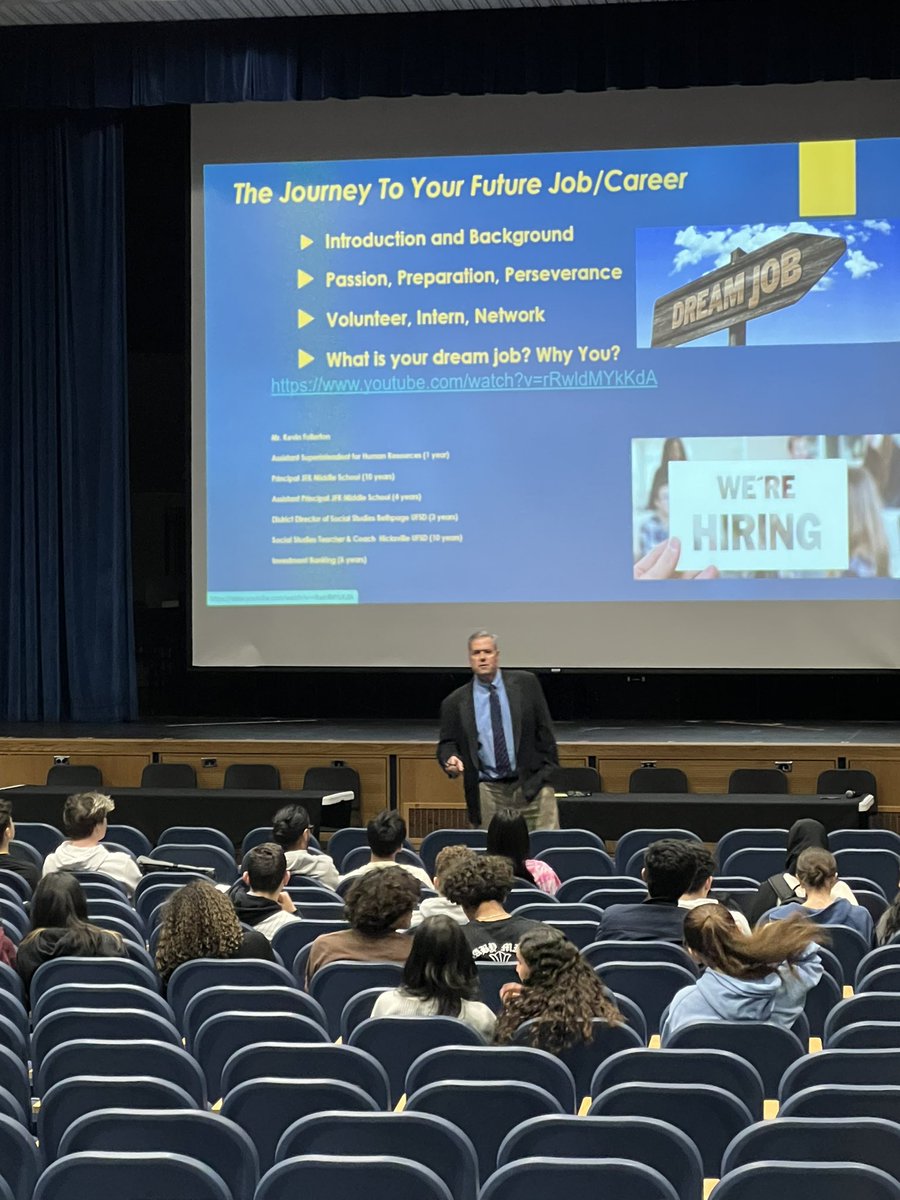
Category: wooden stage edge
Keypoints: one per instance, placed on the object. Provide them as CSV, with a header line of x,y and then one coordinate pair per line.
x,y
397,765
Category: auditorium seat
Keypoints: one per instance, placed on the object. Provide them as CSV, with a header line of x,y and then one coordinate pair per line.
x,y
646,1140
308,1060
522,1063
864,1067
739,839
639,839
719,1068
174,1176
380,1177
600,953
807,1181
362,855
881,956
59,972
433,843
209,1002
334,984
870,1140
19,1158
192,977
657,779
583,1059
861,839
423,1138
769,1048
396,1042
14,1078
749,781
546,839
881,866
191,855
138,1056
336,779
358,1009
39,836
845,1100
221,1035
252,777
194,835
577,1179
572,862
168,775
650,984
754,862
99,995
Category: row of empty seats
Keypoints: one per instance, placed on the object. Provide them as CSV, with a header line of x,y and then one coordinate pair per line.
x,y
238,776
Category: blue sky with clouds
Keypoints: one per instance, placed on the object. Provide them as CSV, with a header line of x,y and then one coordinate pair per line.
x,y
858,300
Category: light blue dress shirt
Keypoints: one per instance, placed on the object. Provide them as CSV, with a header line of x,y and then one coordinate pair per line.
x,y
486,758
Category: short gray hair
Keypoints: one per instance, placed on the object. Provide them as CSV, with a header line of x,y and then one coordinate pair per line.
x,y
483,633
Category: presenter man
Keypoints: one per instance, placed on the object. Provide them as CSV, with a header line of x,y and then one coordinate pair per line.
x,y
497,733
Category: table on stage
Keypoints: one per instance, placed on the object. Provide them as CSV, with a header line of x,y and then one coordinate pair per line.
x,y
152,810
610,814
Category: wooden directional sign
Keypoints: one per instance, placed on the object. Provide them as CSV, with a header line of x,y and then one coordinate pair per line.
x,y
757,283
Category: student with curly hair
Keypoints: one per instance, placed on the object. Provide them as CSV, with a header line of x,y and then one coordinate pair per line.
x,y
377,905
480,885
761,977
60,927
439,979
199,921
559,991
439,905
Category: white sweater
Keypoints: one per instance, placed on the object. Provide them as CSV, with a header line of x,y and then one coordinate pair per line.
x,y
398,1003
67,857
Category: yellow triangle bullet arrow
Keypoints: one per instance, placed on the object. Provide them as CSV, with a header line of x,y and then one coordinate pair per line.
x,y
303,318
304,359
303,279
305,242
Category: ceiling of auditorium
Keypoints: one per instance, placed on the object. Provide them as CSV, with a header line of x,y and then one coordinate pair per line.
x,y
97,12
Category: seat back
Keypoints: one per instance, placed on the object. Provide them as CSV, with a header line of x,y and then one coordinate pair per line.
x,y
168,775
870,1140
844,1100
60,972
720,1068
436,841
39,836
21,850
819,1002
427,1140
207,1137
870,1068
221,1035
864,839
14,1078
358,1009
710,1116
657,779
383,1178
209,1002
579,1179
308,1060
336,779
252,777
99,995
265,1107
396,1042
72,1098
849,947
485,1111
523,1063
126,1056
645,1140
837,780
185,854
866,1035
78,776
13,882
575,779
769,1048
334,984
98,1172
650,984
881,866
19,1158
598,954
195,835
881,956
749,781
824,1181
755,862
639,839
740,839
192,977
584,1058
361,855
115,1024
573,862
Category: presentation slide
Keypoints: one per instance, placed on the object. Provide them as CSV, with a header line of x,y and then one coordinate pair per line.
x,y
658,378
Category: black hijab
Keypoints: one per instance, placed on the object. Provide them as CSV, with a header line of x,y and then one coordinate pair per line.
x,y
803,834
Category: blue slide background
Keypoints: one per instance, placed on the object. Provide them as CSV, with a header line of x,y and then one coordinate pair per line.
x,y
539,475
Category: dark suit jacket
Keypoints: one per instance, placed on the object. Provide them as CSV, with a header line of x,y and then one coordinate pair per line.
x,y
533,736
649,921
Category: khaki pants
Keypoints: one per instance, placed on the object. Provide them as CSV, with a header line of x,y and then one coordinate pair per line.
x,y
539,813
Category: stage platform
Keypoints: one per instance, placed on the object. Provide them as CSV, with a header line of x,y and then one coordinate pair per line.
x,y
395,759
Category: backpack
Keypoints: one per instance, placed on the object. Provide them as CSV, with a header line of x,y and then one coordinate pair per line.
x,y
784,893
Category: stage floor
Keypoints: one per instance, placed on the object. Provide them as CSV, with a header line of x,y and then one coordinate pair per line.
x,y
707,733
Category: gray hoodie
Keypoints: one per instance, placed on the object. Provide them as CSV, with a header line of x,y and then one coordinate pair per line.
x,y
776,999
121,867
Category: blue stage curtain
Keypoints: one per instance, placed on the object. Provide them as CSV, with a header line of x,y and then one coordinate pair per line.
x,y
679,43
66,643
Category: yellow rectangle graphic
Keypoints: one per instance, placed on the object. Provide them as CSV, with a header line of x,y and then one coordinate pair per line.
x,y
827,179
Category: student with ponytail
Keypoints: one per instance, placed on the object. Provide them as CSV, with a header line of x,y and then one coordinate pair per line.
x,y
761,977
559,991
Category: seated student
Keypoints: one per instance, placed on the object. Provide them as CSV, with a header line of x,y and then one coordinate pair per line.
x,y
291,830
259,898
761,977
439,905
817,872
507,835
199,921
439,979
11,862
84,821
669,869
558,990
698,892
480,886
386,834
377,905
785,888
60,927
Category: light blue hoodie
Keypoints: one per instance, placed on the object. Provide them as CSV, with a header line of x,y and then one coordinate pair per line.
x,y
777,998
